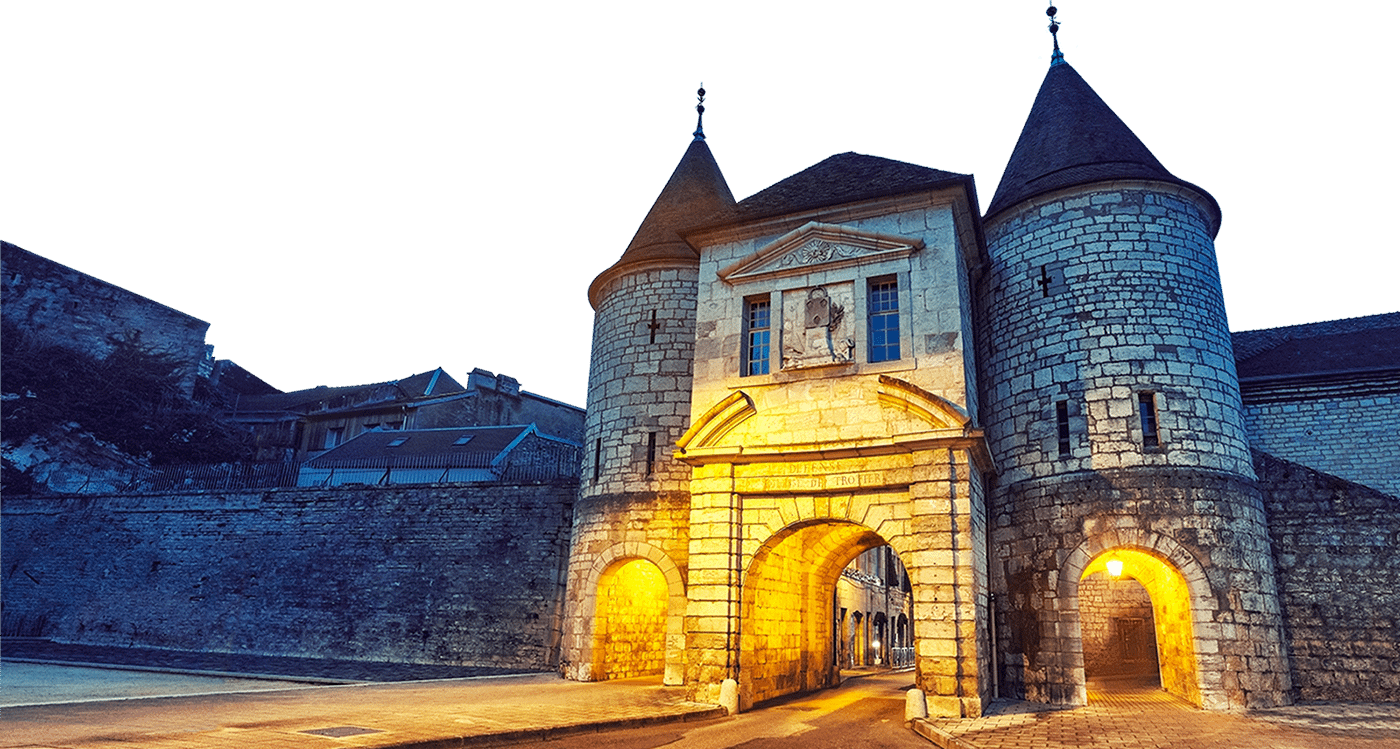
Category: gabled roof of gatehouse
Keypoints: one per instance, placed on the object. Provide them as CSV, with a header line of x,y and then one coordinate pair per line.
x,y
844,178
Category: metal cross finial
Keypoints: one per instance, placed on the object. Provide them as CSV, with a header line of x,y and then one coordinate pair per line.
x,y
700,116
1057,57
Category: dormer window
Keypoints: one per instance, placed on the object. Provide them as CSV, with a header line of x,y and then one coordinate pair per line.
x,y
464,439
397,441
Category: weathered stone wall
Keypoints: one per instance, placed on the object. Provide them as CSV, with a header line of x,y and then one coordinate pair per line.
x,y
1203,524
1351,435
468,575
1337,555
1094,297
631,620
639,383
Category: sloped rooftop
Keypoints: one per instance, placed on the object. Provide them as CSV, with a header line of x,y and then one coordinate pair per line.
x,y
844,178
481,445
432,382
1351,346
696,190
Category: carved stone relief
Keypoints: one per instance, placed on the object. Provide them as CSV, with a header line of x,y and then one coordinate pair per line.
x,y
817,251
817,329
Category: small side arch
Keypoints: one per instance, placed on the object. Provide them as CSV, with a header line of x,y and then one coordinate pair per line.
x,y
610,560
1178,581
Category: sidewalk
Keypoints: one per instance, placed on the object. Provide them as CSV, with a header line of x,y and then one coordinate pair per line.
x,y
1125,715
442,713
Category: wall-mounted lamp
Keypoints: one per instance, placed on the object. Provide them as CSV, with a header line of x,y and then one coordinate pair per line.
x,y
1115,567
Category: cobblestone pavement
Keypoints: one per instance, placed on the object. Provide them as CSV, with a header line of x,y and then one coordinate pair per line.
x,y
1128,715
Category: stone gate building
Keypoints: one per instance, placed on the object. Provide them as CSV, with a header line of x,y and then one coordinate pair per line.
x,y
1014,402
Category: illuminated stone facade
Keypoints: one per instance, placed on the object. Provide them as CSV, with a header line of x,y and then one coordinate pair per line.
x,y
853,360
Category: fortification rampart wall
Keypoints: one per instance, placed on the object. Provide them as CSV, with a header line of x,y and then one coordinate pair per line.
x,y
447,574
1351,435
1337,551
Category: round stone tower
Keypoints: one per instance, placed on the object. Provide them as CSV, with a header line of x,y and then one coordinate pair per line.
x,y
625,599
1113,411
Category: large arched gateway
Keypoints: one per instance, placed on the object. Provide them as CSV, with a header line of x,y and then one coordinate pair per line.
x,y
773,525
786,642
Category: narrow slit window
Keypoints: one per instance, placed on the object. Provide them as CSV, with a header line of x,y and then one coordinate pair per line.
x,y
883,307
1062,427
651,452
757,336
1147,410
597,457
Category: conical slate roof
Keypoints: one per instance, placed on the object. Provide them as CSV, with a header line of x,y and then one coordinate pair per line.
x,y
1071,137
844,178
696,190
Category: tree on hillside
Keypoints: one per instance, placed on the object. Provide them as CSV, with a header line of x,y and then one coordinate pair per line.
x,y
132,399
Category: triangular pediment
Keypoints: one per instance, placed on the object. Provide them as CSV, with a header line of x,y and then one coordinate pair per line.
x,y
817,245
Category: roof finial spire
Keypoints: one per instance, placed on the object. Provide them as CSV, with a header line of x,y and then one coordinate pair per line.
x,y
1057,57
700,113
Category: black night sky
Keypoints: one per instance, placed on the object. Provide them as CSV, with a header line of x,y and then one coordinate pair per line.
x,y
354,200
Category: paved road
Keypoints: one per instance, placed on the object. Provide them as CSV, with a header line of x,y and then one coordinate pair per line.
x,y
863,712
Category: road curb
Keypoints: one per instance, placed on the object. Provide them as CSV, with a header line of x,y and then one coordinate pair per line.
x,y
507,738
938,736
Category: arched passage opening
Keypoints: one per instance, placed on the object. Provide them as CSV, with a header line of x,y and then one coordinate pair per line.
x,y
787,641
629,630
1116,623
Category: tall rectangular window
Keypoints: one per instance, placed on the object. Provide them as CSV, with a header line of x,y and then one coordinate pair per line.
x,y
883,320
757,336
1147,410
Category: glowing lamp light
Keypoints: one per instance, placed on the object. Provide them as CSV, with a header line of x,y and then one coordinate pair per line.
x,y
1115,567
876,643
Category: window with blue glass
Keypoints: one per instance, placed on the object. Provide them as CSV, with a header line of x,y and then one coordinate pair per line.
x,y
883,319
757,335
